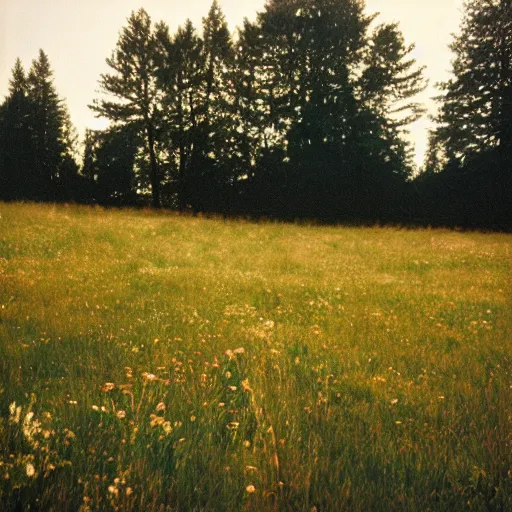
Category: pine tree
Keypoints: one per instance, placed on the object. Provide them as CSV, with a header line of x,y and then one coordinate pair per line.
x,y
181,78
211,168
15,141
339,98
250,112
386,90
133,88
476,104
47,119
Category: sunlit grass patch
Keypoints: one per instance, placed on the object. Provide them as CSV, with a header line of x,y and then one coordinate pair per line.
x,y
155,362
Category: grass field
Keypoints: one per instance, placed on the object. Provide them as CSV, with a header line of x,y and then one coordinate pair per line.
x,y
152,362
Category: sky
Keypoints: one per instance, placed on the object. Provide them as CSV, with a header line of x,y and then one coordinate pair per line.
x,y
78,35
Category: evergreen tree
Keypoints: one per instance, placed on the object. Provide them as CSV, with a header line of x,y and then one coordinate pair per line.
x,y
15,140
472,143
181,79
339,98
133,86
47,122
38,143
476,104
211,166
389,82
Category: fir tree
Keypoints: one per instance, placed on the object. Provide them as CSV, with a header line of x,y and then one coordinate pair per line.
x,y
181,79
133,88
47,120
476,104
15,141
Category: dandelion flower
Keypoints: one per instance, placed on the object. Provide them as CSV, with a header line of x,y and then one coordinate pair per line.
x,y
160,407
30,469
250,489
121,414
129,491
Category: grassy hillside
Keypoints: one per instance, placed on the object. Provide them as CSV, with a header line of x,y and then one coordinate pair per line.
x,y
155,362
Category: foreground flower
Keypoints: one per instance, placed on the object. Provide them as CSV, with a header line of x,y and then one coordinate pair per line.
x,y
250,489
31,470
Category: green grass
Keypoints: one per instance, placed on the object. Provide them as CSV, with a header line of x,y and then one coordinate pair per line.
x,y
376,370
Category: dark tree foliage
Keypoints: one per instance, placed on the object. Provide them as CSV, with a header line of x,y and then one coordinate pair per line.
x,y
16,181
133,96
336,98
110,164
46,118
476,109
37,139
211,169
468,167
180,74
303,113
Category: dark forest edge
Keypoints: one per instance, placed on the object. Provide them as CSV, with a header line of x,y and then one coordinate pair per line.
x,y
300,115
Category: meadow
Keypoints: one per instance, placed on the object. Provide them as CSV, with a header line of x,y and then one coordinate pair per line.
x,y
157,362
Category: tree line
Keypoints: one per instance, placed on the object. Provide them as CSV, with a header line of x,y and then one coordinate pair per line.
x,y
301,113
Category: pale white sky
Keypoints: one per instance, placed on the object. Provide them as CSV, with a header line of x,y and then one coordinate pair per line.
x,y
78,35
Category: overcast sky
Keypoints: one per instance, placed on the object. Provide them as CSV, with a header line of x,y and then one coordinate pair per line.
x,y
78,35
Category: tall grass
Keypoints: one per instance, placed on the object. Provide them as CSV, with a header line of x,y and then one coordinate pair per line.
x,y
156,362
